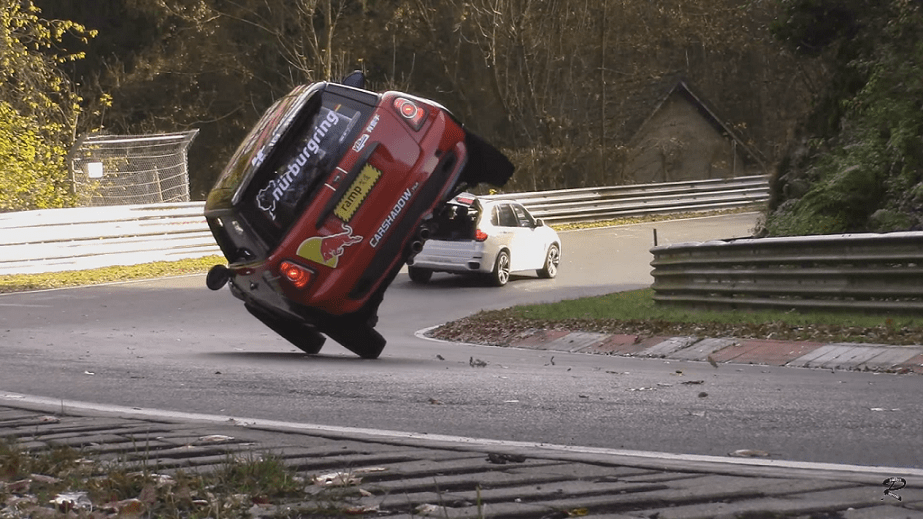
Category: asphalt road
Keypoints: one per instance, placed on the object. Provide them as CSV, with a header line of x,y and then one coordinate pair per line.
x,y
172,344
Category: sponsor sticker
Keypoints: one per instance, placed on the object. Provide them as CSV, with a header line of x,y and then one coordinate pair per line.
x,y
275,190
372,124
393,215
327,250
357,193
360,143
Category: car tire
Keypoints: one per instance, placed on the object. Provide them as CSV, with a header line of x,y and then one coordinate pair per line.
x,y
552,259
419,275
360,339
501,273
303,336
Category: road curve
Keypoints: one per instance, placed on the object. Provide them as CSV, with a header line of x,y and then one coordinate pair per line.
x,y
171,344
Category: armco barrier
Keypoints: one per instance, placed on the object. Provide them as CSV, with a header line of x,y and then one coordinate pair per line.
x,y
865,272
75,239
52,240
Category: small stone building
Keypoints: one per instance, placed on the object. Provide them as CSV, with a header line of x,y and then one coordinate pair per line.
x,y
683,139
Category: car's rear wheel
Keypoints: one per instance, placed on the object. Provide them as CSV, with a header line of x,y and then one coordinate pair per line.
x,y
419,275
501,273
552,259
303,336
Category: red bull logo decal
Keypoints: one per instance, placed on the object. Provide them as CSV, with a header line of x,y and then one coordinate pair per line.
x,y
327,250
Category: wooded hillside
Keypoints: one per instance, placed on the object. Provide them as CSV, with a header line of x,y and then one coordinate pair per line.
x,y
560,85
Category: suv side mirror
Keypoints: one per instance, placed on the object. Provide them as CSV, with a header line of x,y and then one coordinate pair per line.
x,y
539,222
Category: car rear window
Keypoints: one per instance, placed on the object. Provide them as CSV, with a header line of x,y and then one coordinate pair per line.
x,y
288,180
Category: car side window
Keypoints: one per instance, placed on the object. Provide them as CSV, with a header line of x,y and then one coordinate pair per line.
x,y
525,219
495,216
507,217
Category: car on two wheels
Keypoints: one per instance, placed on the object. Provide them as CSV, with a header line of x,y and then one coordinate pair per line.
x,y
487,238
333,190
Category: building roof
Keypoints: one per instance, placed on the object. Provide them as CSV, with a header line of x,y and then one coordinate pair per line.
x,y
681,88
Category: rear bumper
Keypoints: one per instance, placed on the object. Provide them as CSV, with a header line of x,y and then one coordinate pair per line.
x,y
458,257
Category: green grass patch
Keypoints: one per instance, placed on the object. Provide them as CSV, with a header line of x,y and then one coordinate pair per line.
x,y
636,313
640,305
158,269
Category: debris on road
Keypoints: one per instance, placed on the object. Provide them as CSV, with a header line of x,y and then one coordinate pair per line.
x,y
748,453
503,459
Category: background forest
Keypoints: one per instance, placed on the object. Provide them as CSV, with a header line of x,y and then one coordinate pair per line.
x,y
828,91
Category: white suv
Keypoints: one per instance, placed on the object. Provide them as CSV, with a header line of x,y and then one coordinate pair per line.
x,y
487,237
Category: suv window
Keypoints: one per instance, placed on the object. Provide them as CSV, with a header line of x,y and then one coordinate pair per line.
x,y
507,217
525,219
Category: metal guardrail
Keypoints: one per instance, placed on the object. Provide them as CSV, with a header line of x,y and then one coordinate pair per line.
x,y
606,203
54,240
866,272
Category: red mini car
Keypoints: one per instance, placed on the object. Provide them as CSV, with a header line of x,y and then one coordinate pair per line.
x,y
332,191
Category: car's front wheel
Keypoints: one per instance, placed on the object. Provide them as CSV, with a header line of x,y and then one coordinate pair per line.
x,y
501,273
552,259
302,335
361,339
419,275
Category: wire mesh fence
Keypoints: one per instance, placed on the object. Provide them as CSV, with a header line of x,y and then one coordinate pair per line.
x,y
131,169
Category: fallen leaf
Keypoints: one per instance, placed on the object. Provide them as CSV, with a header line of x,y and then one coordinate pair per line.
x,y
68,501
337,479
692,382
17,487
41,478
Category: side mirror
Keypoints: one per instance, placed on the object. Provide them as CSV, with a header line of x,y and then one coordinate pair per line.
x,y
539,222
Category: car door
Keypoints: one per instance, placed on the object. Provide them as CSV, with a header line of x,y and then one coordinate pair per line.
x,y
506,228
530,244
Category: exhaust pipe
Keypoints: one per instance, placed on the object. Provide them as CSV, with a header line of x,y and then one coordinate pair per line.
x,y
424,233
416,246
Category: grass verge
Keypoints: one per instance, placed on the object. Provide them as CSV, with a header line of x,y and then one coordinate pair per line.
x,y
72,278
636,313
62,482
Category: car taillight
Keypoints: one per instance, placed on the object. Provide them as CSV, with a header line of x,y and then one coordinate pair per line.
x,y
413,115
480,235
296,274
